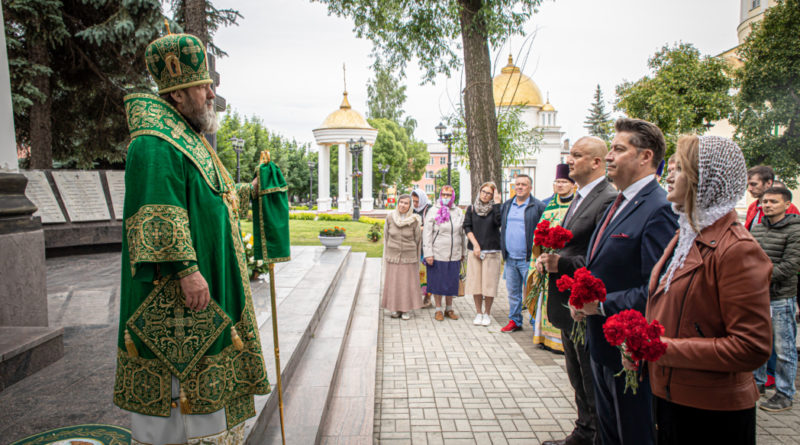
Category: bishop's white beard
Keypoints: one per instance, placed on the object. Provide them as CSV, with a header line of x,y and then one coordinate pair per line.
x,y
203,118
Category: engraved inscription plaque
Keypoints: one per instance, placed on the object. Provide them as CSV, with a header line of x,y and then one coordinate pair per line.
x,y
116,188
40,193
82,194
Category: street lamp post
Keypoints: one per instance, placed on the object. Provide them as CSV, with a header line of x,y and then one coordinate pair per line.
x,y
311,166
446,138
383,169
355,150
238,146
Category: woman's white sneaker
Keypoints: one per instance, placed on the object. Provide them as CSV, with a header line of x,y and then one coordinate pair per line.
x,y
487,320
478,320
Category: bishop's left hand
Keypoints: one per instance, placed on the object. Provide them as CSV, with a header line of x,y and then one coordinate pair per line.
x,y
254,184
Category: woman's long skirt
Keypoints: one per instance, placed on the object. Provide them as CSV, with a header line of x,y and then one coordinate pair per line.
x,y
401,287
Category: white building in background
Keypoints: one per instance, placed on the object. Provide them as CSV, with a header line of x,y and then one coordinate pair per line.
x,y
512,88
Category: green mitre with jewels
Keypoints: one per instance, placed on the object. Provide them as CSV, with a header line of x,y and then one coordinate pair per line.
x,y
177,61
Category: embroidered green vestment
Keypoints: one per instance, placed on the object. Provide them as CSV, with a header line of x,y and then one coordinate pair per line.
x,y
180,216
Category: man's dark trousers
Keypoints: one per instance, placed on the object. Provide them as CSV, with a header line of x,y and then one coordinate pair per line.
x,y
579,371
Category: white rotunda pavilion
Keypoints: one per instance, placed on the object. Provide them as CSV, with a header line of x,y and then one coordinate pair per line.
x,y
338,128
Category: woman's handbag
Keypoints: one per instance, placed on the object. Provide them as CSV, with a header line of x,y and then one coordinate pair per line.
x,y
462,277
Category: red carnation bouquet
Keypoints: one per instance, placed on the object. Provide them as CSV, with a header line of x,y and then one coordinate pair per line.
x,y
584,288
636,339
550,239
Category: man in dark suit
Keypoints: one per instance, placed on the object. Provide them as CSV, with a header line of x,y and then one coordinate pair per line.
x,y
587,166
624,247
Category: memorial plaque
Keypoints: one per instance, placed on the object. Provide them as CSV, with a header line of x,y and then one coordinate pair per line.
x,y
82,194
40,193
116,188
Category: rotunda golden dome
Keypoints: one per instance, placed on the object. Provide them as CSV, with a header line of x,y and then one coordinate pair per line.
x,y
548,107
511,87
345,117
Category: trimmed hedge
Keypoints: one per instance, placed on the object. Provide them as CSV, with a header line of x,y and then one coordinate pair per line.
x,y
331,217
303,216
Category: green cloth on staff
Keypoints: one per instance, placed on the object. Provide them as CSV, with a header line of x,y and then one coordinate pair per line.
x,y
181,216
271,217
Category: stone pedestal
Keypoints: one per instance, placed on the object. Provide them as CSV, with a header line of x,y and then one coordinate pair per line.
x,y
23,287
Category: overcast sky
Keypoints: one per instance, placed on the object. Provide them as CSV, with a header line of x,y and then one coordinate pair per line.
x,y
285,58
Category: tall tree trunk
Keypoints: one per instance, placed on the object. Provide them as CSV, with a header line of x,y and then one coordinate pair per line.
x,y
41,112
195,11
479,112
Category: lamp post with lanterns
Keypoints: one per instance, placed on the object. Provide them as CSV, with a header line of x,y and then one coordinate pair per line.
x,y
238,147
446,138
355,149
383,169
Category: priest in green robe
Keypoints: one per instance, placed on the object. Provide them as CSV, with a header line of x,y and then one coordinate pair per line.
x,y
189,357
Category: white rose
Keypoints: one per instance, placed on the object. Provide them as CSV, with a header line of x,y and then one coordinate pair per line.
x,y
259,263
249,245
251,259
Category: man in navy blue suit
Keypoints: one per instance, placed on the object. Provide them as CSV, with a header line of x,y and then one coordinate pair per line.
x,y
634,231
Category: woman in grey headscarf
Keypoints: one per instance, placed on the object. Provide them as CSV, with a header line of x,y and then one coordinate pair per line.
x,y
710,291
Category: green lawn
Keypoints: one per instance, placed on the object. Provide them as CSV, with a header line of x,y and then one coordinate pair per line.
x,y
304,233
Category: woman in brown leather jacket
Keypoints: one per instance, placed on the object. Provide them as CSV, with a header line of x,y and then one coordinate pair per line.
x,y
710,290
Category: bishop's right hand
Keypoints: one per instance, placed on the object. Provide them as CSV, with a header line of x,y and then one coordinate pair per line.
x,y
195,289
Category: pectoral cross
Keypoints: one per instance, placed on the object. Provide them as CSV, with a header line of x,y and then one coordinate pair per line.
x,y
192,49
179,323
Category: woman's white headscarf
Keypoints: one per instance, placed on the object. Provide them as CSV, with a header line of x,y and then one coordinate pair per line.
x,y
423,199
722,179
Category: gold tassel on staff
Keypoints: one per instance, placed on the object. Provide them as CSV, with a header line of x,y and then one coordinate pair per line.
x,y
277,348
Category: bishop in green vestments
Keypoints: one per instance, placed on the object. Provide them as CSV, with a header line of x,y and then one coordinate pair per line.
x,y
189,354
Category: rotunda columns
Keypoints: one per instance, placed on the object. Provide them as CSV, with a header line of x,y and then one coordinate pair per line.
x,y
324,178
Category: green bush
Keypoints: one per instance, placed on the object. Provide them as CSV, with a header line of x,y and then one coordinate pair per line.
x,y
303,216
331,217
368,220
298,207
375,232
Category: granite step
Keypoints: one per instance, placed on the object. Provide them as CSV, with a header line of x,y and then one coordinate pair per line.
x,y
306,398
351,411
315,357
304,287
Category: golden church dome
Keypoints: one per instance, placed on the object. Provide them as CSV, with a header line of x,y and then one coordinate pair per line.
x,y
548,107
345,117
511,87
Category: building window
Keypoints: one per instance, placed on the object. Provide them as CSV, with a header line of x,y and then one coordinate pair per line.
x,y
755,4
430,162
429,174
428,188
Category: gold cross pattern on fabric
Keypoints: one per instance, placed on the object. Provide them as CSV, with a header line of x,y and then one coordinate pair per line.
x,y
178,339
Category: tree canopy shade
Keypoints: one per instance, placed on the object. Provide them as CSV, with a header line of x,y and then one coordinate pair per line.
x,y
767,116
428,31
599,122
685,92
71,62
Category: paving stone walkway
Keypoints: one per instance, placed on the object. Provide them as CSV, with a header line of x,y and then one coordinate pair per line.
x,y
452,382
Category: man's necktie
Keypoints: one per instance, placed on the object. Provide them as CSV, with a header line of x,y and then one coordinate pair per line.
x,y
571,210
610,215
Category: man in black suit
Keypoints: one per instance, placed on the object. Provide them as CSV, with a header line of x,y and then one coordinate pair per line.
x,y
625,246
587,166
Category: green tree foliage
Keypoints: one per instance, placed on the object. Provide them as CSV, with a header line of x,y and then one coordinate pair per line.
x,y
386,97
430,31
767,116
685,91
71,62
599,122
291,157
517,140
405,156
